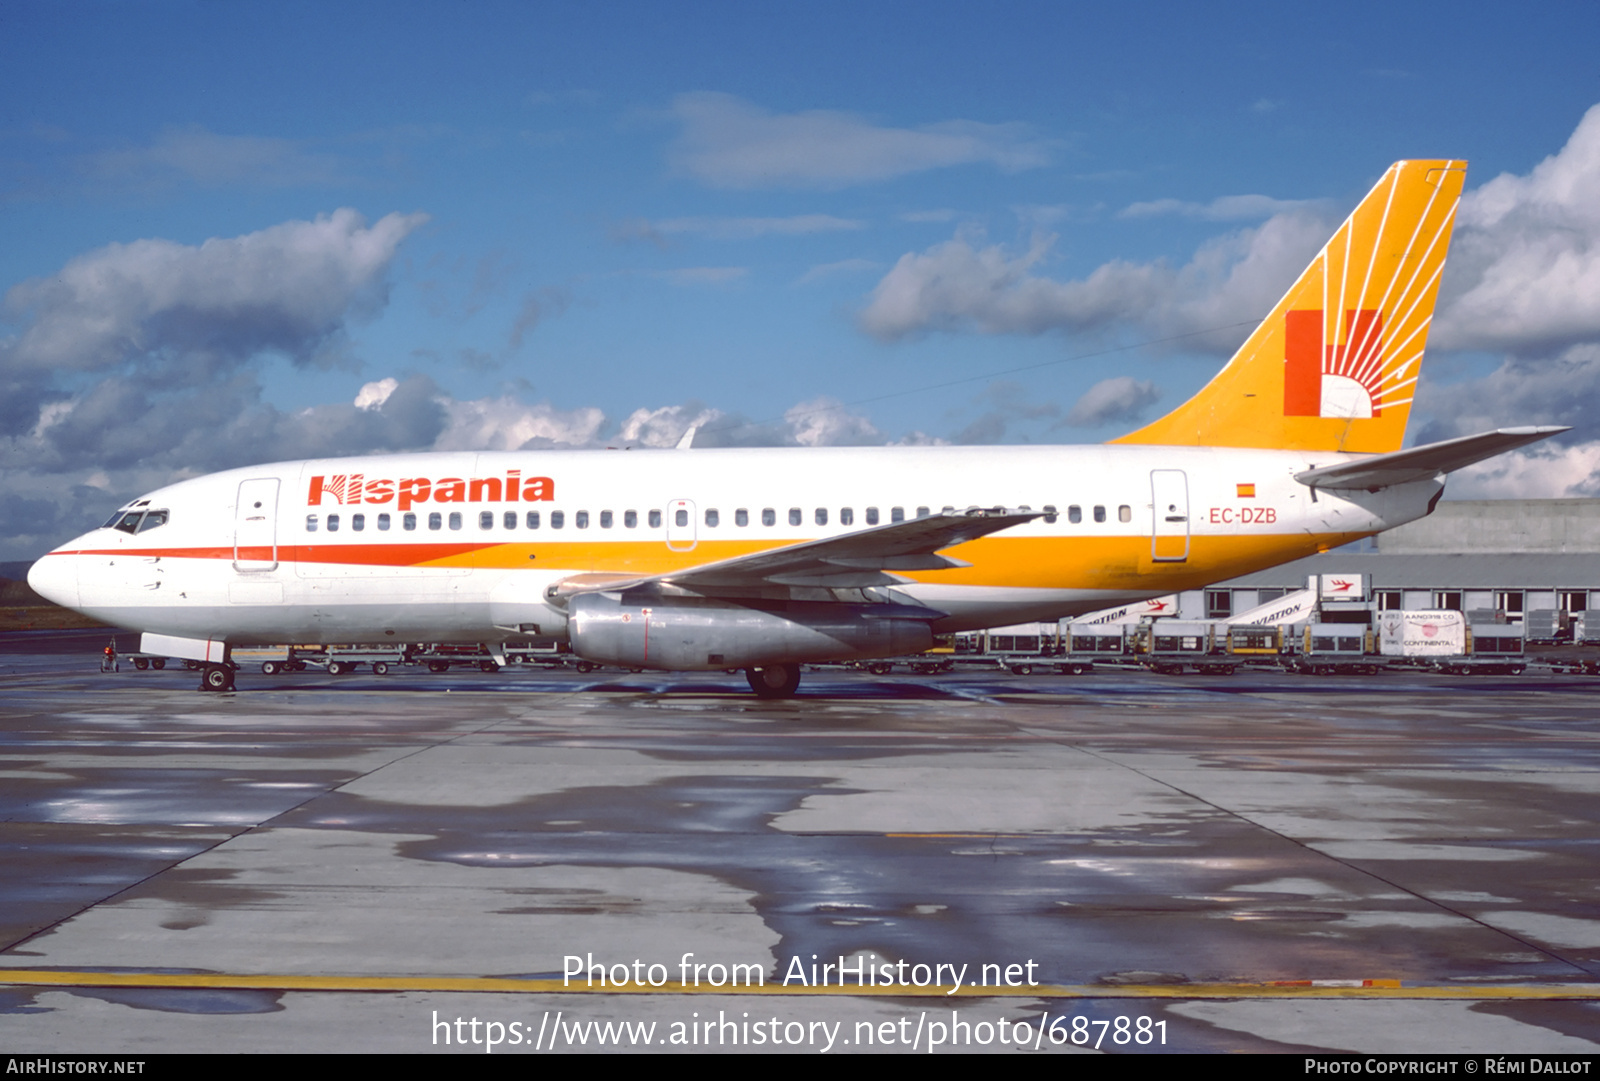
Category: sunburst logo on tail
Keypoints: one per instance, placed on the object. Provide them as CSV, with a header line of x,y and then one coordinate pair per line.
x,y
1349,378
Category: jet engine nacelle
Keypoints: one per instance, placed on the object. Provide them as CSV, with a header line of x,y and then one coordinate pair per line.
x,y
697,633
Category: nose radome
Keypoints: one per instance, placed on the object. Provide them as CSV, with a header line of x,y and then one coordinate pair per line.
x,y
55,578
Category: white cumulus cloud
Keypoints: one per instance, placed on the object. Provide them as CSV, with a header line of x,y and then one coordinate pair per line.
x,y
287,289
1524,269
1119,398
728,142
964,285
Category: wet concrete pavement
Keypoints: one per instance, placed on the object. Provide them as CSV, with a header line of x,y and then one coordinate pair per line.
x,y
1123,833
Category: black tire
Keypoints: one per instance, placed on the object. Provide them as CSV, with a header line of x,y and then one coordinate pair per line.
x,y
880,669
1022,669
140,663
584,666
339,668
271,668
380,668
216,677
774,680
488,666
438,666
193,666
159,663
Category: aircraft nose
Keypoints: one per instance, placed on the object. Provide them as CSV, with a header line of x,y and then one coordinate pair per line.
x,y
55,578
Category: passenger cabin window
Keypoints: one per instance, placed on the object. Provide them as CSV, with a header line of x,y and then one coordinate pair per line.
x,y
509,519
872,515
558,519
455,519
1099,514
796,516
897,514
769,516
822,516
581,519
383,522
311,524
847,516
1050,514
333,523
358,522
741,517
630,519
1124,513
533,519
681,517
1074,514
713,519
655,519
409,522
606,519
486,519
435,520
922,512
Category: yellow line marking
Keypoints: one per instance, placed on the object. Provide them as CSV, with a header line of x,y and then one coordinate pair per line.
x,y
1297,989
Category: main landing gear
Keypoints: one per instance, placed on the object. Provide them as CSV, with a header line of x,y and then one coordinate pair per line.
x,y
774,680
216,677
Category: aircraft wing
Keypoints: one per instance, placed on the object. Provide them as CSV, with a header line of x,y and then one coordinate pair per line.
x,y
868,557
1419,463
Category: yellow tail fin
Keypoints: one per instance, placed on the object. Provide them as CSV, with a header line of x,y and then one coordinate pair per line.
x,y
1335,365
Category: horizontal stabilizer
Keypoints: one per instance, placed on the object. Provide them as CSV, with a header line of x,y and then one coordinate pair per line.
x,y
1420,463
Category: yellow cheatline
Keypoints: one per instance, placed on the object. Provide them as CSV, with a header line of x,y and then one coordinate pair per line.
x,y
1286,989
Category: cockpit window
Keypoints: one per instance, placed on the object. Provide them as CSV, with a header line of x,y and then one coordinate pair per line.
x,y
137,520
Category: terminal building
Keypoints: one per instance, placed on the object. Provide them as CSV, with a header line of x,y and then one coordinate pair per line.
x,y
1528,562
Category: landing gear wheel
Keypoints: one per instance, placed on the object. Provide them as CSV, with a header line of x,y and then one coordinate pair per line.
x,y
216,677
774,680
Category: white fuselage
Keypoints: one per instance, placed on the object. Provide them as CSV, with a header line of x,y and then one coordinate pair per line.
x,y
463,547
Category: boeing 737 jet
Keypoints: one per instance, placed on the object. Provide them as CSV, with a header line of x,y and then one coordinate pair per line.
x,y
765,559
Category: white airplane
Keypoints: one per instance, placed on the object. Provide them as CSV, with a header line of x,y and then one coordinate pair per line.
x,y
765,559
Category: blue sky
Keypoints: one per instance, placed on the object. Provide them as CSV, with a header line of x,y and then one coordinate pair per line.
x,y
240,232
